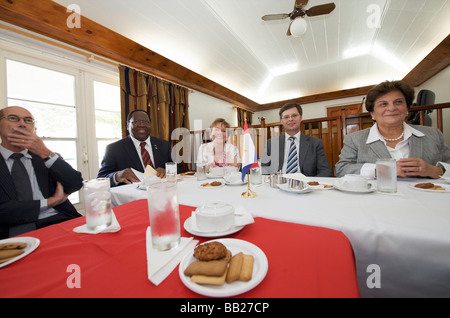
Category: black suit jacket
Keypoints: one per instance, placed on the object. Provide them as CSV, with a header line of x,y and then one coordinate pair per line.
x,y
13,212
312,159
122,154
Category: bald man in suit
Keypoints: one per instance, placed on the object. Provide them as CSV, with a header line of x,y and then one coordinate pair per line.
x,y
50,178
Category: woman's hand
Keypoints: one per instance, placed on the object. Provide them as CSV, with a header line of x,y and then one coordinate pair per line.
x,y
416,167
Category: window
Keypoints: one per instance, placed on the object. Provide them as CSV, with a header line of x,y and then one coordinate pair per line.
x,y
63,100
107,116
50,97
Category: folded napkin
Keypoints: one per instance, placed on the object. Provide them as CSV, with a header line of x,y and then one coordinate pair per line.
x,y
114,227
241,218
149,172
148,181
161,263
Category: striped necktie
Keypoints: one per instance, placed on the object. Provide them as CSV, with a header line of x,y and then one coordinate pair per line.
x,y
292,162
145,156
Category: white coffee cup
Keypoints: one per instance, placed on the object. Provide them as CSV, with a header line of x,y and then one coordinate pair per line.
x,y
216,172
354,182
215,216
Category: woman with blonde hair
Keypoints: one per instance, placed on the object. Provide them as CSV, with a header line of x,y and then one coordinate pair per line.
x,y
218,152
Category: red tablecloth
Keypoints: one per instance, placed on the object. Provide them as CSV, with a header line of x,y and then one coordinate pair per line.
x,y
304,261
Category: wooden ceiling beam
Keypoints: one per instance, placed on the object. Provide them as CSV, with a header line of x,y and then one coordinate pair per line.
x,y
48,18
319,97
435,62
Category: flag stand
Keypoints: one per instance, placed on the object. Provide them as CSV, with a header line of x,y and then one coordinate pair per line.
x,y
249,193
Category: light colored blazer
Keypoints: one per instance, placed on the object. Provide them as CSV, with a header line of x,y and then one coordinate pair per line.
x,y
356,152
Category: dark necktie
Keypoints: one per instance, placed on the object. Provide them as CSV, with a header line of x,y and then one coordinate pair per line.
x,y
145,156
292,163
21,179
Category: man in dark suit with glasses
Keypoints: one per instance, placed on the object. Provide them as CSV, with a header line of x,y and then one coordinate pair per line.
x,y
36,182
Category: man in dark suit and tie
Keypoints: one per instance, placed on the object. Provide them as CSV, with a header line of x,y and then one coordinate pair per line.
x,y
136,151
35,181
294,152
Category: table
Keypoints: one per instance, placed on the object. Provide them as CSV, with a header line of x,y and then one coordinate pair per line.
x,y
305,261
407,235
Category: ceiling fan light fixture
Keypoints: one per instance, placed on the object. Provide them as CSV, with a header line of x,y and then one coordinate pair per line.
x,y
298,27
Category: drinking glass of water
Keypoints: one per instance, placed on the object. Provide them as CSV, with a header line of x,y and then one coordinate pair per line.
x,y
164,215
387,175
171,172
97,203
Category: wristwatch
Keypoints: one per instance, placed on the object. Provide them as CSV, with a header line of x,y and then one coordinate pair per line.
x,y
50,156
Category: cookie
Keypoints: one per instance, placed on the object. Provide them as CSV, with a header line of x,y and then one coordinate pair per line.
x,y
234,269
424,185
210,251
210,268
12,245
209,280
9,254
247,268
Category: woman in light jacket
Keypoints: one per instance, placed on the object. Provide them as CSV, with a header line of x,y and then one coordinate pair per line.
x,y
420,151
218,152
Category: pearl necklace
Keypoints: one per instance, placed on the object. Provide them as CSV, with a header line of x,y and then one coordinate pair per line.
x,y
395,139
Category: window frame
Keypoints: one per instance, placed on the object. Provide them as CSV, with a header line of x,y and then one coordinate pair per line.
x,y
85,73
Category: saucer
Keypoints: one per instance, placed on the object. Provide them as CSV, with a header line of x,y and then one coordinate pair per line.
x,y
371,189
285,187
231,230
234,183
445,188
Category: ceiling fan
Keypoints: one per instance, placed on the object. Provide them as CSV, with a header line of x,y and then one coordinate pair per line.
x,y
298,24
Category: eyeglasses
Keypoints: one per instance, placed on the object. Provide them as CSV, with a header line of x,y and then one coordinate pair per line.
x,y
293,116
13,118
140,122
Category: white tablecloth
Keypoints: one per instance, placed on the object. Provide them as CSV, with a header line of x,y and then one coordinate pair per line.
x,y
406,234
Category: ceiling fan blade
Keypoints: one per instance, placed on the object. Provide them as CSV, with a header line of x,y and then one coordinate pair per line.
x,y
270,17
322,9
289,30
301,3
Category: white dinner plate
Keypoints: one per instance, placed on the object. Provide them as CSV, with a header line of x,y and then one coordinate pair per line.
x,y
212,187
183,175
260,267
445,186
446,179
231,230
235,184
32,244
371,189
322,187
285,187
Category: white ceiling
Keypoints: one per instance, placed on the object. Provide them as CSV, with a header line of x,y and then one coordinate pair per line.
x,y
227,41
